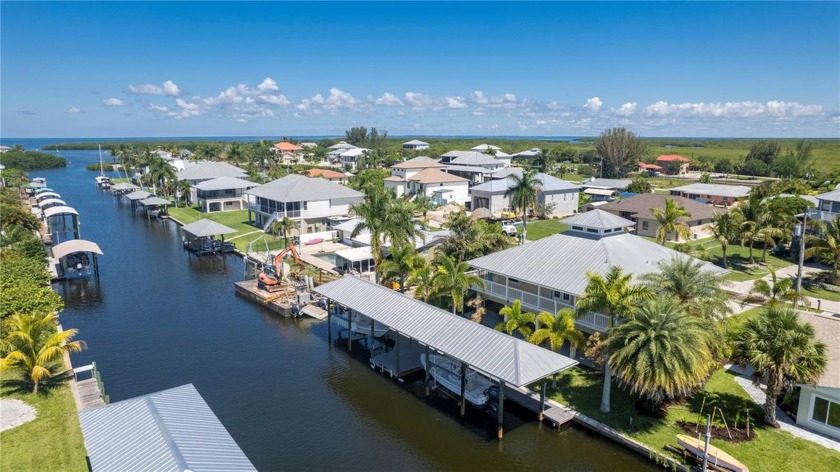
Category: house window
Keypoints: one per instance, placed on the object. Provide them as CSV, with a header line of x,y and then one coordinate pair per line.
x,y
644,225
513,281
591,230
304,205
826,412
579,228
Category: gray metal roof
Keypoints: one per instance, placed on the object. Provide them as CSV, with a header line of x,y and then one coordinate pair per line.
x,y
470,169
497,354
598,219
416,142
171,430
60,210
298,188
124,186
718,190
225,183
204,228
138,195
549,185
560,262
471,158
75,245
211,170
154,201
619,184
832,196
486,147
507,172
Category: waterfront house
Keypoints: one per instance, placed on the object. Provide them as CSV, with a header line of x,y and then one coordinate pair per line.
x,y
345,230
223,194
673,164
331,175
211,170
828,205
415,145
819,404
600,190
553,191
716,194
639,208
550,274
310,202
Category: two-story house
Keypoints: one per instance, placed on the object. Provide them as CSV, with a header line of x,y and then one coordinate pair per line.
x,y
640,209
401,172
223,194
828,205
205,171
550,274
562,195
473,165
308,201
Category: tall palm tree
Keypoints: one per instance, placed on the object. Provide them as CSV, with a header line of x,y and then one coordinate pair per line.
x,y
235,152
827,246
34,346
453,280
403,261
774,291
780,347
768,235
754,217
663,352
726,228
557,329
671,220
516,321
698,291
616,297
544,161
283,226
423,279
522,195
161,172
184,188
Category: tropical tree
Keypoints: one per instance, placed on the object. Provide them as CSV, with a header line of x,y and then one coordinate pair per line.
x,y
516,321
373,212
470,238
556,329
283,226
768,236
619,150
33,346
544,161
452,280
423,280
184,188
640,185
671,220
754,216
726,228
827,246
782,349
161,172
522,195
663,352
773,291
698,291
404,260
235,152
615,296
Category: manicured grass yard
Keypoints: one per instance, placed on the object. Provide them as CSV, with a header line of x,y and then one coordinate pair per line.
x,y
739,257
538,229
52,441
772,449
820,293
237,220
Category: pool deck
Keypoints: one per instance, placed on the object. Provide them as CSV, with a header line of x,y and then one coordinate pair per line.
x,y
309,254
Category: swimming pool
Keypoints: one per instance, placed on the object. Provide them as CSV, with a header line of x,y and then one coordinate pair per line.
x,y
329,257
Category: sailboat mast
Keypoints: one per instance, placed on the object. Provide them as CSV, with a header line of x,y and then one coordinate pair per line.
x,y
101,170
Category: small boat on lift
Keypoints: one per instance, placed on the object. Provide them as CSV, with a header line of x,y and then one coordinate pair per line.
x,y
360,324
479,390
716,456
102,180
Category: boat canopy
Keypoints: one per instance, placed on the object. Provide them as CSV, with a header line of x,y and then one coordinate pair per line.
x,y
44,188
138,195
47,195
51,201
205,228
75,245
155,201
60,210
124,186
100,178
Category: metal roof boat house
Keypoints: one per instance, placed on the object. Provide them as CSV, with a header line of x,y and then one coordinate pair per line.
x,y
550,274
62,223
74,259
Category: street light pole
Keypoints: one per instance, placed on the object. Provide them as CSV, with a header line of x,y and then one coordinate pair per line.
x,y
801,260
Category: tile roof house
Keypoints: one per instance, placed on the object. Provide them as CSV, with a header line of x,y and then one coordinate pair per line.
x,y
285,146
331,175
550,274
403,171
673,164
553,191
639,208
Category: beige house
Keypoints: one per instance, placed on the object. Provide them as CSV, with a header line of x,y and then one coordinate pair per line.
x,y
440,186
716,194
400,173
640,209
819,404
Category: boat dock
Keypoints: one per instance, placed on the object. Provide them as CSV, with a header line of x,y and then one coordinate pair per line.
x,y
555,414
280,301
90,390
402,360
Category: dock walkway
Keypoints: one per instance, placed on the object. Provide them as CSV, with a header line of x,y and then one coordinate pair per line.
x,y
89,391
555,413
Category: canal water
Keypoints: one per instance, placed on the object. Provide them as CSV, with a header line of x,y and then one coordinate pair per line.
x,y
159,318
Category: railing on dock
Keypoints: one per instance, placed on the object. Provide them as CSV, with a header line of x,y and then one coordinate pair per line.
x,y
92,390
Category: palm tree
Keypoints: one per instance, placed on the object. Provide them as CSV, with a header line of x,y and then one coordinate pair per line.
x,y
616,297
725,227
671,220
774,291
754,216
698,291
827,247
522,195
423,278
403,261
544,161
781,348
284,226
663,352
184,187
34,346
161,172
452,279
557,329
516,321
235,153
768,236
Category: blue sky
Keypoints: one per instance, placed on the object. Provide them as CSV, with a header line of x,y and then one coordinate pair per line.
x,y
249,69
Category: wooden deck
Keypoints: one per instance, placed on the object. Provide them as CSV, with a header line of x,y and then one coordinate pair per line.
x,y
89,394
555,414
279,301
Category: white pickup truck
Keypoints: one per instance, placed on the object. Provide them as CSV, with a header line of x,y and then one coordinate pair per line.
x,y
508,228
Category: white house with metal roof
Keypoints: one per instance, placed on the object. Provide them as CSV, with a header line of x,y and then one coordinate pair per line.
x,y
717,194
530,153
550,274
553,191
349,157
828,205
604,189
223,194
211,170
819,403
337,149
309,201
415,145
440,186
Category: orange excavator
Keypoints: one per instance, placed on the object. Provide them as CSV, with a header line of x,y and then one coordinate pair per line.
x,y
271,278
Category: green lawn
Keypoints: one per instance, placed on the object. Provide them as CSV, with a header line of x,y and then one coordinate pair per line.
x,y
538,229
772,449
237,220
820,293
572,177
52,441
738,257
735,322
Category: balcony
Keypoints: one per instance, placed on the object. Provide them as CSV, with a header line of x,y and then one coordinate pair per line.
x,y
537,303
267,211
822,215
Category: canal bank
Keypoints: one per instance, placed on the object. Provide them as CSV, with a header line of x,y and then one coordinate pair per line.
x,y
158,318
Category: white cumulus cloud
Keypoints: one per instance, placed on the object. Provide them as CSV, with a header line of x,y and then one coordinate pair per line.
x,y
593,104
113,102
389,99
169,88
74,110
267,84
626,109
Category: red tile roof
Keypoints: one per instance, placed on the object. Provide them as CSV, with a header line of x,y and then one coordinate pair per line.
x,y
325,173
642,165
672,158
287,146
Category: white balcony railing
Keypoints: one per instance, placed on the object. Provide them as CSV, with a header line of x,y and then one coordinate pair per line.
x,y
534,302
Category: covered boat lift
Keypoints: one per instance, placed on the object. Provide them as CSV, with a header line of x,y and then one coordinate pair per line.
x,y
76,258
58,227
150,204
123,188
51,202
198,237
43,188
32,186
135,197
45,195
502,358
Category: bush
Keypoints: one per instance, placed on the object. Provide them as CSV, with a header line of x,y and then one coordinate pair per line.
x,y
105,166
724,166
31,160
755,167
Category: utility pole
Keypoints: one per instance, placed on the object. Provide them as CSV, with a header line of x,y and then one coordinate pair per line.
x,y
801,260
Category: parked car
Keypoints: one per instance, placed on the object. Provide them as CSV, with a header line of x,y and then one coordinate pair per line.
x,y
508,228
